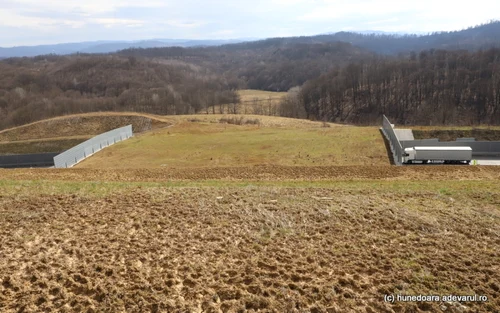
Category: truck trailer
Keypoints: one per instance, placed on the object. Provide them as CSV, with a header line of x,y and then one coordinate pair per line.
x,y
447,155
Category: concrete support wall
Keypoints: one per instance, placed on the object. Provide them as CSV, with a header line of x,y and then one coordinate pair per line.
x,y
82,151
396,148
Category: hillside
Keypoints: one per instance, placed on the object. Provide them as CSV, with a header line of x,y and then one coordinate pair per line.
x,y
47,86
102,46
64,132
202,141
49,145
276,64
435,87
90,124
327,79
472,39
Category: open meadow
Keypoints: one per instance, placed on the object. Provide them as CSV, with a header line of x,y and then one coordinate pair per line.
x,y
212,143
195,215
251,102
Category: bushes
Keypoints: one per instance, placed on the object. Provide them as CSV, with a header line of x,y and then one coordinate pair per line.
x,y
239,121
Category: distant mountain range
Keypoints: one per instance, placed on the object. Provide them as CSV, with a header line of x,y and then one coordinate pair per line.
x,y
380,32
473,38
106,46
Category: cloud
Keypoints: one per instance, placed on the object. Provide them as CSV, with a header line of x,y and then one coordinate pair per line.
x,y
428,15
86,7
10,18
346,9
110,22
182,24
52,21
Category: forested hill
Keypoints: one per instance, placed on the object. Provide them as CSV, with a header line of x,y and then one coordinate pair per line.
x,y
474,38
46,86
433,87
274,64
480,37
339,81
278,64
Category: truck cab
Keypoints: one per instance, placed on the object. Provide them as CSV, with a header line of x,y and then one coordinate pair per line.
x,y
409,155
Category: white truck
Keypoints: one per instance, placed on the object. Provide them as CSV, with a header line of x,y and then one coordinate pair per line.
x,y
447,155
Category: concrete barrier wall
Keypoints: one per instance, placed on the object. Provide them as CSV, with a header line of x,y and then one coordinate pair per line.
x,y
396,148
27,160
82,151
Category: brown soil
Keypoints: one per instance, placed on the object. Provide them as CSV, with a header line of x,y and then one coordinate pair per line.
x,y
261,173
254,249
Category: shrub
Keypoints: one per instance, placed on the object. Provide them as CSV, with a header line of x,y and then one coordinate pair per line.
x,y
239,121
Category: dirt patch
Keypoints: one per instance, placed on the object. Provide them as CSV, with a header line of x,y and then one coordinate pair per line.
x,y
262,173
479,134
247,250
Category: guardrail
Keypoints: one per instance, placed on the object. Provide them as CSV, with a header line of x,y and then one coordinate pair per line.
x,y
396,148
82,151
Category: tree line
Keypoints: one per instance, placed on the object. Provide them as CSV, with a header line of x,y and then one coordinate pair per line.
x,y
430,87
327,79
276,64
47,86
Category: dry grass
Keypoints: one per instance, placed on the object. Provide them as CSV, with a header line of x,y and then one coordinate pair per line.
x,y
250,95
445,127
265,121
64,132
254,102
269,175
58,134
285,237
137,247
40,145
211,144
480,134
88,124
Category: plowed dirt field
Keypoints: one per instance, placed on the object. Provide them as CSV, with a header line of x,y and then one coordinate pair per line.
x,y
148,247
261,173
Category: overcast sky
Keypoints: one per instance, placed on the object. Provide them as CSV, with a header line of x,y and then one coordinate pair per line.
x,y
34,22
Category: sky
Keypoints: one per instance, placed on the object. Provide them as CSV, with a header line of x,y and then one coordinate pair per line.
x,y
35,22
